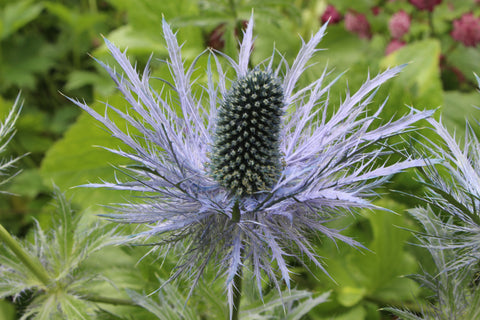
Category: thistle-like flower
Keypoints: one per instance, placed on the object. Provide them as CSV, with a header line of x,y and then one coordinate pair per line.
x,y
253,166
451,226
454,194
455,294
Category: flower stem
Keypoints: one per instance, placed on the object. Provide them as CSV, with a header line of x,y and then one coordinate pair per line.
x,y
430,23
113,301
236,212
233,9
30,262
237,292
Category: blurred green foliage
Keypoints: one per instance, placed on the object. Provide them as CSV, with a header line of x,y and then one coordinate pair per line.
x,y
44,53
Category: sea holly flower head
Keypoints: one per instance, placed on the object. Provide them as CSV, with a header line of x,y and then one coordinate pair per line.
x,y
450,221
248,170
454,196
246,156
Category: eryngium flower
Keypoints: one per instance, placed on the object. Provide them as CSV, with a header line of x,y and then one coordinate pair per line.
x,y
454,194
331,159
246,156
455,293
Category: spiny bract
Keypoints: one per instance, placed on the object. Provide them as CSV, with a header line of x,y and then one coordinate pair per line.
x,y
245,156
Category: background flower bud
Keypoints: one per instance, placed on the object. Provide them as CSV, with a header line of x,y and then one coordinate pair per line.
x,y
357,23
394,45
425,4
399,24
331,15
467,30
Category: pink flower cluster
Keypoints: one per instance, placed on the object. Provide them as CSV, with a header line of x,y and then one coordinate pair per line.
x,y
399,24
467,30
394,45
357,23
331,15
425,4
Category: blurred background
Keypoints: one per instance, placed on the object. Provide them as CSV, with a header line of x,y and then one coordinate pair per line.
x,y
48,51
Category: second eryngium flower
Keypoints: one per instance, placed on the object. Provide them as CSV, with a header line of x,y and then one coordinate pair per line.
x,y
244,176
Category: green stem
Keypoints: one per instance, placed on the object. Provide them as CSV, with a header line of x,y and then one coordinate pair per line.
x,y
430,23
237,292
236,212
233,9
113,301
92,5
30,262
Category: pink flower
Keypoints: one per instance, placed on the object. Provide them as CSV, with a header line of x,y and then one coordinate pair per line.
x,y
216,39
399,24
331,14
357,23
425,4
394,45
467,30
376,10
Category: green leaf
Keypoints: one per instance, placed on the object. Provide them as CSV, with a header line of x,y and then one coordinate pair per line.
x,y
272,306
459,107
306,306
377,274
44,308
60,253
80,78
418,84
271,301
356,313
349,296
64,228
403,314
359,5
32,127
388,261
28,55
17,14
466,59
171,306
145,22
7,311
74,308
77,20
74,160
137,43
28,183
